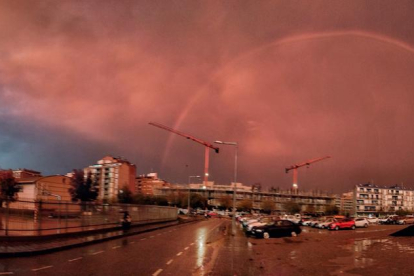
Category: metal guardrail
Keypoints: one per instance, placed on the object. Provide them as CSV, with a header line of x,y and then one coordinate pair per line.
x,y
52,217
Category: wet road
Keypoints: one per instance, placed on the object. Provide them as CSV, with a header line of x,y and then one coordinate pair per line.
x,y
190,249
369,251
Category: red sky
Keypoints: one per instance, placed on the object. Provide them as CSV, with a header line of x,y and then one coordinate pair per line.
x,y
288,80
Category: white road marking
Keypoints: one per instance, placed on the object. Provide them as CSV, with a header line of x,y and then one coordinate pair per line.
x,y
158,234
132,242
96,253
115,247
151,237
186,248
192,243
143,239
170,261
6,273
157,272
40,268
76,259
179,253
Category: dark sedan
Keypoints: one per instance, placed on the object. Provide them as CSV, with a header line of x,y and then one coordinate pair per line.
x,y
279,228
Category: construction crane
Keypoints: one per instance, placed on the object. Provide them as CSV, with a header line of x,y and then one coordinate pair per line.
x,y
207,145
297,166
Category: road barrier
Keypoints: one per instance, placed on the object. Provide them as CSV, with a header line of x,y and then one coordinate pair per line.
x,y
54,217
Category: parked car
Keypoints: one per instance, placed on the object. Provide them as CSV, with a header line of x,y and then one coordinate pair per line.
x,y
211,214
373,220
293,218
304,220
313,222
389,220
324,224
279,228
361,222
260,222
249,221
342,224
406,220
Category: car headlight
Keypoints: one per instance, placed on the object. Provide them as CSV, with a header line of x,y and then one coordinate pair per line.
x,y
259,230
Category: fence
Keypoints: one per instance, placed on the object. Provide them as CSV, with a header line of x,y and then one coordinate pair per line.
x,y
52,217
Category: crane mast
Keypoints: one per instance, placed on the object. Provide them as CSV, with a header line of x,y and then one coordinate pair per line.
x,y
297,166
207,146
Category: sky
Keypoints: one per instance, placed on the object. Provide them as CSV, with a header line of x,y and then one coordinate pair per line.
x,y
289,81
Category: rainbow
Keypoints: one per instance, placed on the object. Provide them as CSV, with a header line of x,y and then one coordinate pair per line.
x,y
289,40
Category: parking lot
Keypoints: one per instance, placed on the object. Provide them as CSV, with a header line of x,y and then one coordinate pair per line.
x,y
364,251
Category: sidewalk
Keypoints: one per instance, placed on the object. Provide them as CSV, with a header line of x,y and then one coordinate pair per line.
x,y
17,248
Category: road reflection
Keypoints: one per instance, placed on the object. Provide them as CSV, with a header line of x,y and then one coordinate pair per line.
x,y
201,247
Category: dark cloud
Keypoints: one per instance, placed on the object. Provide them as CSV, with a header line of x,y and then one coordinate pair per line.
x,y
289,80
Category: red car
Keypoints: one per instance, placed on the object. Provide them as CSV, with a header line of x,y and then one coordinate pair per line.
x,y
342,224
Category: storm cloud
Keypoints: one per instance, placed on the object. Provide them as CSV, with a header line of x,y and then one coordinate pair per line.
x,y
288,80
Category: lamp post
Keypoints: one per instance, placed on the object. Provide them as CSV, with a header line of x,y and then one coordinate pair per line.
x,y
235,181
189,179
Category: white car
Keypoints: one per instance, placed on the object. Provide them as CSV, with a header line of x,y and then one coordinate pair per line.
x,y
324,224
406,220
306,222
361,222
247,222
261,222
293,219
373,220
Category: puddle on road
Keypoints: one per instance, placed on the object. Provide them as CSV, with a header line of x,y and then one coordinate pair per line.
x,y
359,247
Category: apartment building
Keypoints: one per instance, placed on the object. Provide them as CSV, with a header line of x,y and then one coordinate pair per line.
x,y
146,184
345,203
370,199
112,174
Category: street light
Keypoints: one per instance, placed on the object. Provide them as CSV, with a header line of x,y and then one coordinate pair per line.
x,y
235,181
189,179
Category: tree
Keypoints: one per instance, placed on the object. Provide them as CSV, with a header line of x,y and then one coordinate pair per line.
x,y
402,212
246,204
292,207
226,202
83,189
161,201
198,201
268,206
310,209
172,199
331,210
125,195
9,187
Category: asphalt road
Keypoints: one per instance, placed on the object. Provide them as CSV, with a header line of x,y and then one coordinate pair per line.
x,y
364,251
191,249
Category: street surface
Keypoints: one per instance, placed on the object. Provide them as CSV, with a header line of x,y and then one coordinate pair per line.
x,y
364,251
201,248
208,248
